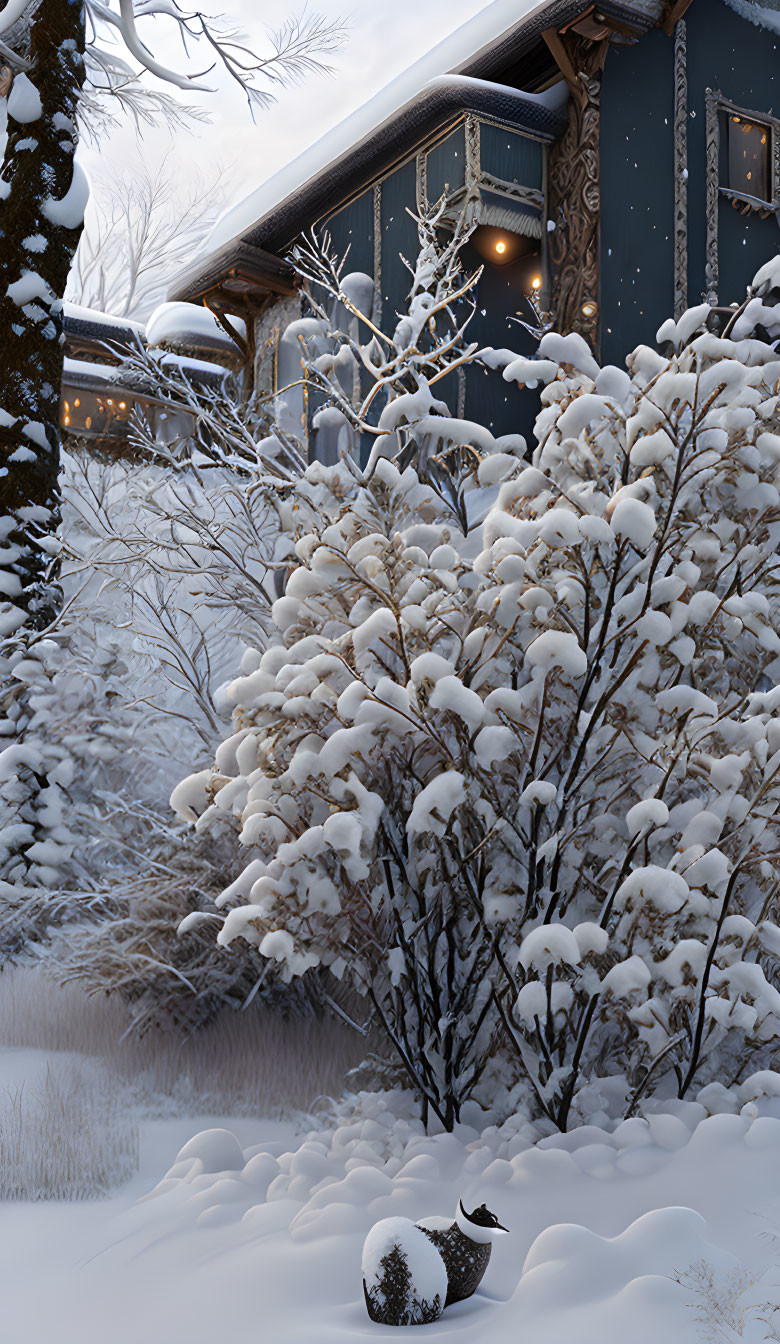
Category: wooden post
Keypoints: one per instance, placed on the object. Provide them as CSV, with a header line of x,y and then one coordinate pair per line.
x,y
574,193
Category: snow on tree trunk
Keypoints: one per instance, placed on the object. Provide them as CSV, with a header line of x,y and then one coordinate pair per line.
x,y
43,197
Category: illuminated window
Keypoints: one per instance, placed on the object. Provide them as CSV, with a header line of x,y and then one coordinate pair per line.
x,y
749,157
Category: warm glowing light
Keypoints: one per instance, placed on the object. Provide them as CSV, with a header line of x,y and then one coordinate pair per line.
x,y
501,248
67,419
109,402
77,402
536,283
89,422
123,405
589,308
66,404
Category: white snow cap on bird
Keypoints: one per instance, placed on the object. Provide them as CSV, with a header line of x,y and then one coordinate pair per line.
x,y
480,1225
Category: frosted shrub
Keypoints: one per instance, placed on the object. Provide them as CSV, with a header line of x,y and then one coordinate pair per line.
x,y
521,786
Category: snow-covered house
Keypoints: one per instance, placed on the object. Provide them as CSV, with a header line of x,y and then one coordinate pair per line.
x,y
100,395
622,160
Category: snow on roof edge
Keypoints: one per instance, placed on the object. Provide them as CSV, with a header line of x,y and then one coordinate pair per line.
x,y
77,313
766,15
189,324
463,45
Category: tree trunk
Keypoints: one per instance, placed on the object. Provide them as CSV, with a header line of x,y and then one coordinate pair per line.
x,y
38,238
41,215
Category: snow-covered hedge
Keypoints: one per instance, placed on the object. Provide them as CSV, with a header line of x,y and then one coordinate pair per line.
x,y
523,790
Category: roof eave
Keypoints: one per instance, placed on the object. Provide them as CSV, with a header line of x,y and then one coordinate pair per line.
x,y
234,279
441,101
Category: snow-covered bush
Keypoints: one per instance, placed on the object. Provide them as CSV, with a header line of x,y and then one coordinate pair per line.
x,y
521,785
163,574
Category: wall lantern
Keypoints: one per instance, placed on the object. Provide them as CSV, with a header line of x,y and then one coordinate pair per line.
x,y
503,247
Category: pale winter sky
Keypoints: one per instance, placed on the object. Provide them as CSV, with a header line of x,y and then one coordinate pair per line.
x,y
385,37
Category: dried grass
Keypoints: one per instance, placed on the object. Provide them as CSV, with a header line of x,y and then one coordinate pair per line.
x,y
71,1135
243,1063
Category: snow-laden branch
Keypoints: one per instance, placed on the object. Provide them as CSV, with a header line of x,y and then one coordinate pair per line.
x,y
303,45
12,12
144,56
521,784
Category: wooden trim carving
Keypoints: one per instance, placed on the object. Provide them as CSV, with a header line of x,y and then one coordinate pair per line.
x,y
680,169
421,180
378,252
674,12
575,195
473,154
716,106
713,100
514,190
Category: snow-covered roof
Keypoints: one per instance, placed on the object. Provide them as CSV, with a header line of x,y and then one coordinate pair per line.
x,y
185,325
103,326
765,13
272,214
91,377
461,47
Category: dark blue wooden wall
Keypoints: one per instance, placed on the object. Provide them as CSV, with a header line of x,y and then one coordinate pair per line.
x,y
726,53
742,61
637,193
501,292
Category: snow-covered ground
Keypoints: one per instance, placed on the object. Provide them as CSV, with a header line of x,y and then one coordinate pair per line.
x,y
259,1236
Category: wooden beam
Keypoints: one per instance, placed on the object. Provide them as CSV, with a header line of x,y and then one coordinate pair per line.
x,y
620,29
564,27
676,10
230,330
561,57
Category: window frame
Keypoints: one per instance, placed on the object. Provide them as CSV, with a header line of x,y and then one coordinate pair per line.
x,y
728,189
718,107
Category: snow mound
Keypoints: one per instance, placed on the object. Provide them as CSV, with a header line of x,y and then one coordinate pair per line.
x,y
619,1232
578,1285
374,1160
186,326
428,1274
216,1150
